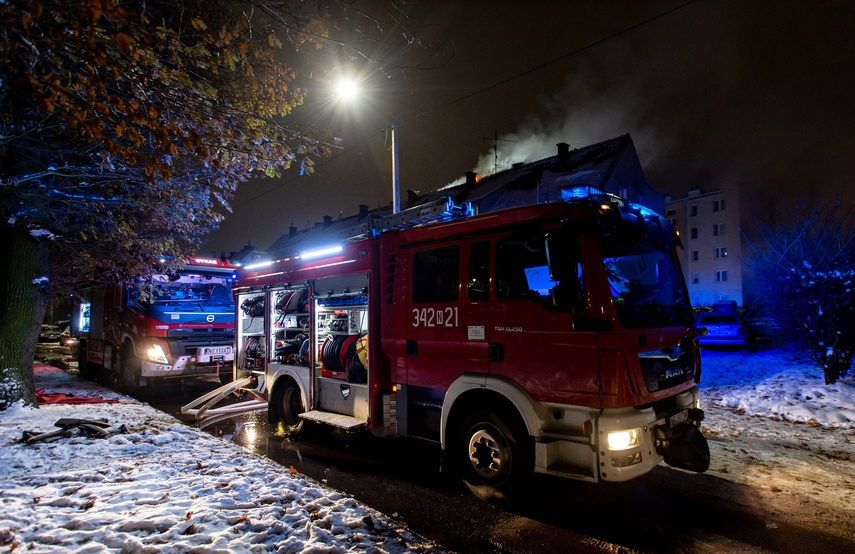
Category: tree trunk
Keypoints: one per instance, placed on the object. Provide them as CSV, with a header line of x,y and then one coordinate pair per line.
x,y
24,289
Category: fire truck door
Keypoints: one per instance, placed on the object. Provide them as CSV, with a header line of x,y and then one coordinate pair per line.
x,y
446,316
532,341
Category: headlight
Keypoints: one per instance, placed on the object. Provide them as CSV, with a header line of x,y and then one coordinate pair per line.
x,y
623,440
157,354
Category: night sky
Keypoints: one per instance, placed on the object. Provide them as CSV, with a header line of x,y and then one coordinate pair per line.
x,y
740,92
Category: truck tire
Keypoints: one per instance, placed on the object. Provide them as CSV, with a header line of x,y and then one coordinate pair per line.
x,y
128,373
495,455
289,404
85,368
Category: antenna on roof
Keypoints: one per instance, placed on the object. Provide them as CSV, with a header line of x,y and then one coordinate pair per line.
x,y
496,140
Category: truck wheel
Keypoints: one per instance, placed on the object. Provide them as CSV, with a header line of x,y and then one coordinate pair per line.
x,y
129,371
289,404
495,455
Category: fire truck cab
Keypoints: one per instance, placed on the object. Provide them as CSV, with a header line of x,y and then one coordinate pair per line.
x,y
183,327
553,338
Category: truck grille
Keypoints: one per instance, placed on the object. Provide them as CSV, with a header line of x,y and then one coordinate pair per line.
x,y
666,368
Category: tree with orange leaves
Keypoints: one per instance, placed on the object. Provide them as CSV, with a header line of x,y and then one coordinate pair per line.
x,y
124,127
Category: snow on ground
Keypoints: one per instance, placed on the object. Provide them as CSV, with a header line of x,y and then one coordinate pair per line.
x,y
772,423
167,487
785,384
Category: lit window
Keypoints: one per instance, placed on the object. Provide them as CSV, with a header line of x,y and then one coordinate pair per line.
x,y
720,252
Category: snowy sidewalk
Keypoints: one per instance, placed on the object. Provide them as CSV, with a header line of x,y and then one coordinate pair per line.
x,y
165,487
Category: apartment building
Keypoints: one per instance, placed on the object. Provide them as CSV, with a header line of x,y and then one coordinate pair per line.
x,y
709,224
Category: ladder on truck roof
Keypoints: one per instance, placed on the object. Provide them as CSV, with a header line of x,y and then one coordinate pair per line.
x,y
438,211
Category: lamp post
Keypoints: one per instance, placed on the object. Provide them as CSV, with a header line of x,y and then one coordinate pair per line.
x,y
396,176
346,90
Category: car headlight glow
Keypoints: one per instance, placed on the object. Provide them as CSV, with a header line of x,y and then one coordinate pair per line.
x,y
157,354
624,440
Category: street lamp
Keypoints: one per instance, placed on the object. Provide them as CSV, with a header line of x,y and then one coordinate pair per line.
x,y
347,90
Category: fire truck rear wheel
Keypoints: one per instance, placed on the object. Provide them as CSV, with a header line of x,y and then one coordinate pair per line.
x,y
495,455
289,405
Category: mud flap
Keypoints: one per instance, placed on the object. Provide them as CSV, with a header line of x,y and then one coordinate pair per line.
x,y
687,449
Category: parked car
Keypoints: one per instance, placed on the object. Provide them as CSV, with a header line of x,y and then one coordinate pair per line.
x,y
50,333
724,328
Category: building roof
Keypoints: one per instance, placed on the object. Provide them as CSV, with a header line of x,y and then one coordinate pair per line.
x,y
607,165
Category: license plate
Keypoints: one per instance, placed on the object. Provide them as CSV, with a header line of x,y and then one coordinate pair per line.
x,y
678,418
216,350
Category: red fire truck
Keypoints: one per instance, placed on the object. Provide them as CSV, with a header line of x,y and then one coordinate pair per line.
x,y
184,327
553,338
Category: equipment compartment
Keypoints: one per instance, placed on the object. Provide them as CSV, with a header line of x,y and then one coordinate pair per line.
x,y
341,324
250,332
289,322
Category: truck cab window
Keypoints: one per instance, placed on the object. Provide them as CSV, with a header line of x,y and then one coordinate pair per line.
x,y
646,284
522,271
436,275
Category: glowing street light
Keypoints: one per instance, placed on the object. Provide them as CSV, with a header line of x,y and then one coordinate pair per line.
x,y
347,90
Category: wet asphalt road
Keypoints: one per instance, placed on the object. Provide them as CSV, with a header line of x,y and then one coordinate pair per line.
x,y
665,511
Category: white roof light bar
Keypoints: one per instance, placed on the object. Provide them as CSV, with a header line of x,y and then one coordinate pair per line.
x,y
320,253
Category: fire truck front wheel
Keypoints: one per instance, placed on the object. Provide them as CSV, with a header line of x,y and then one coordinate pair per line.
x,y
289,403
126,374
495,455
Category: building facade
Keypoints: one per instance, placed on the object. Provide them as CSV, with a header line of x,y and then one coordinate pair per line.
x,y
709,224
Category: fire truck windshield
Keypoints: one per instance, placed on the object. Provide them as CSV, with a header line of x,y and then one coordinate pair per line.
x,y
646,284
206,288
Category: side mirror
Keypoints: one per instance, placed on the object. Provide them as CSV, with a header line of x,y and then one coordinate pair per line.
x,y
563,256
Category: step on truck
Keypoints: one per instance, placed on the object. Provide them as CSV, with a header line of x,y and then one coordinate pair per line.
x,y
183,326
553,338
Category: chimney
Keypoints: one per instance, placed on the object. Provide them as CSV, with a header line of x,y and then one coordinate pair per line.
x,y
363,210
412,198
327,220
563,154
292,231
471,179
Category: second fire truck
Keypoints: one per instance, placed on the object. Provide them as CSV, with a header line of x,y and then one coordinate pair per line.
x,y
554,338
183,327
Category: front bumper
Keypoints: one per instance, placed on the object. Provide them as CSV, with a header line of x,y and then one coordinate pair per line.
x,y
206,361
